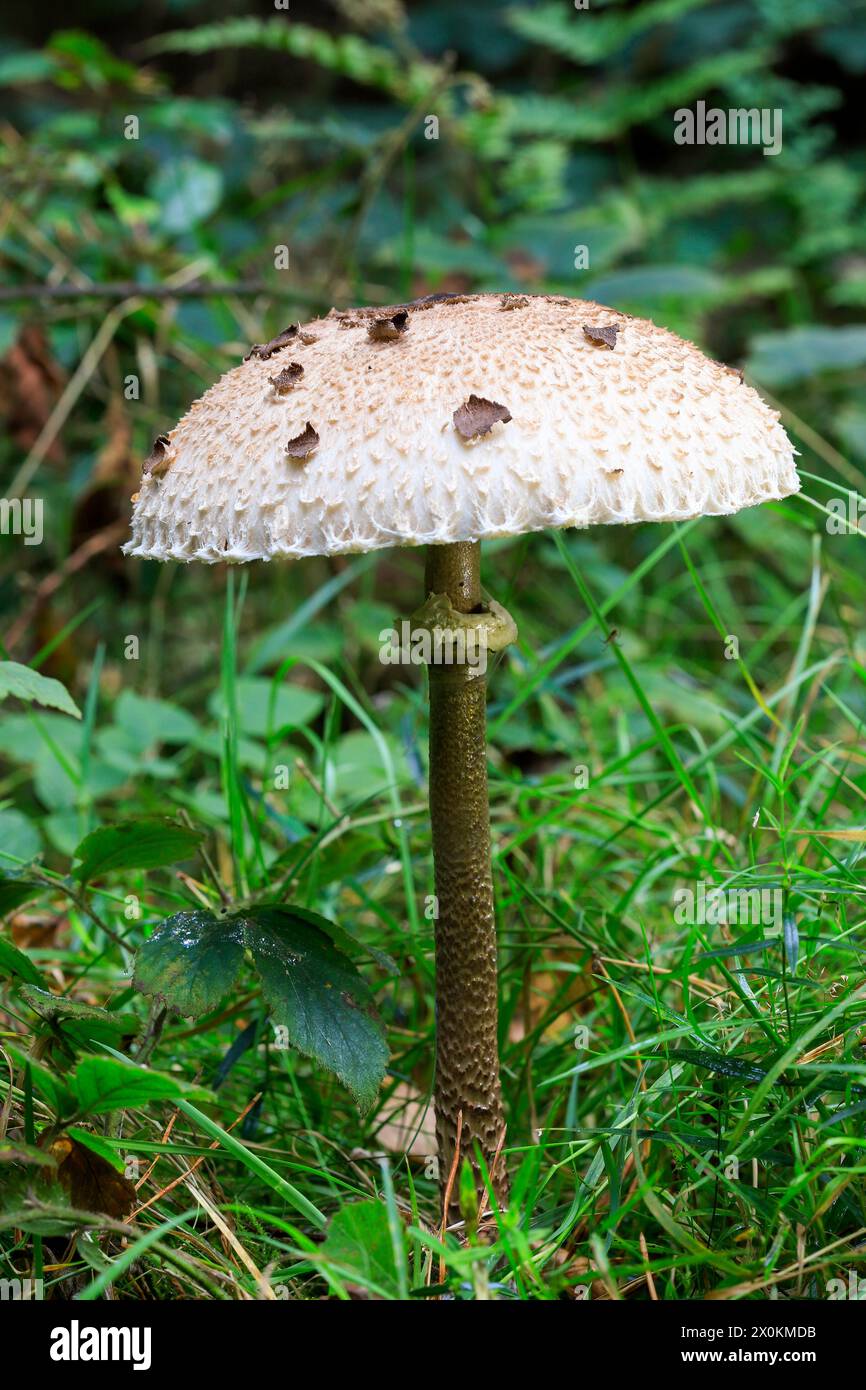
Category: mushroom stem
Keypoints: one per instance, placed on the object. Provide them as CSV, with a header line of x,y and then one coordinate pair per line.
x,y
467,1059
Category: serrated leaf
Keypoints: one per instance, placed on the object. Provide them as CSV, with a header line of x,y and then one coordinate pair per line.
x,y
141,844
312,987
102,1084
28,685
56,1007
318,996
191,961
343,940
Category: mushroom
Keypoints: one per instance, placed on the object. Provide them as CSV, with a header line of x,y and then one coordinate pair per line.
x,y
561,414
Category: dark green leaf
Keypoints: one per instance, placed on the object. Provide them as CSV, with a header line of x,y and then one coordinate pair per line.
x,y
191,961
188,191
47,1082
15,891
142,844
57,1008
102,1084
264,708
19,839
313,989
724,1066
15,962
315,992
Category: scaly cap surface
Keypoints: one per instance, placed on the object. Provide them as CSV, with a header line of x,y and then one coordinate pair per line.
x,y
453,419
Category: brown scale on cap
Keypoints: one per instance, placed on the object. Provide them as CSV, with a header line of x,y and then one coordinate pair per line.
x,y
387,330
303,444
287,378
266,350
159,458
393,468
602,336
477,416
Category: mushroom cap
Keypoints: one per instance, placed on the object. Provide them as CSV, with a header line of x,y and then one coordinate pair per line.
x,y
453,419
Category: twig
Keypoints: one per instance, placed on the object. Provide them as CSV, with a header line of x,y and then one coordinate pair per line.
x,y
152,1033
449,1187
650,1282
165,1138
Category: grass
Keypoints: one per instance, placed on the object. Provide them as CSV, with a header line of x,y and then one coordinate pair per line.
x,y
685,1098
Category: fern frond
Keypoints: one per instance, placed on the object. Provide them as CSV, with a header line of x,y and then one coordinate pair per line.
x,y
344,54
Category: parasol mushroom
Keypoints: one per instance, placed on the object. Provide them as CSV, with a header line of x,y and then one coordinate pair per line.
x,y
440,423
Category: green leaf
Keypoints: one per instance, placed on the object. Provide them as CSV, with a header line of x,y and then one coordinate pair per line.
x,y
554,26
25,1153
360,1249
28,685
641,283
191,961
723,1065
56,1008
146,721
97,1145
347,54
188,191
316,993
264,709
50,1084
19,839
312,987
29,66
15,891
14,962
343,940
141,844
795,354
102,1084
